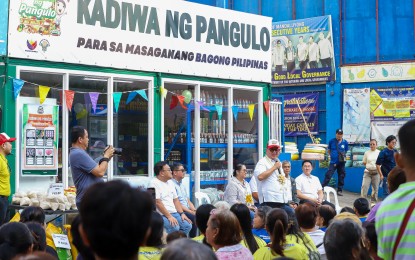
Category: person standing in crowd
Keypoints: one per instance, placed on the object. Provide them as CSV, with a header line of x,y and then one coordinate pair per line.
x,y
302,53
325,50
337,149
290,53
395,218
115,219
278,56
274,189
386,161
5,171
238,189
313,55
85,171
189,209
371,174
286,166
167,201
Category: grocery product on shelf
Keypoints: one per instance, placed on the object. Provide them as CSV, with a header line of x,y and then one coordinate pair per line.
x,y
314,152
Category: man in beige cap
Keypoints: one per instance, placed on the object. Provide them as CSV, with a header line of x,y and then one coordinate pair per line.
x,y
274,189
5,149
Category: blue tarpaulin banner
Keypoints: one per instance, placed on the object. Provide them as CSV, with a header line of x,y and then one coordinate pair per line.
x,y
306,103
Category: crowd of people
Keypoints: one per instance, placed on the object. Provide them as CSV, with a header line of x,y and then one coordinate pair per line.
x,y
273,216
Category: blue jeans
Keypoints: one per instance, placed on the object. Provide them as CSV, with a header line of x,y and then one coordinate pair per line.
x,y
183,225
193,231
341,172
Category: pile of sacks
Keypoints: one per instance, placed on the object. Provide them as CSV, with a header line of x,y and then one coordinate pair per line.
x,y
40,199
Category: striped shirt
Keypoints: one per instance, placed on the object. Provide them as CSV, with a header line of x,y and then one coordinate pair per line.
x,y
389,218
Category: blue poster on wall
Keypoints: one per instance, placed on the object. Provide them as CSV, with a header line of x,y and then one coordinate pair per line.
x,y
298,109
302,51
4,14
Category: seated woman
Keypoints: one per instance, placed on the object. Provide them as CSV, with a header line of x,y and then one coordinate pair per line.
x,y
277,227
238,190
345,240
307,217
224,234
249,240
202,217
153,246
15,239
259,223
325,215
361,208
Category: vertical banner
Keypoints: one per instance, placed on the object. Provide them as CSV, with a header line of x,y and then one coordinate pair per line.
x,y
302,51
356,115
40,124
392,104
293,116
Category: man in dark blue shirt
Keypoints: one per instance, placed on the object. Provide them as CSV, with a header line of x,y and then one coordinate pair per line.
x,y
337,145
386,162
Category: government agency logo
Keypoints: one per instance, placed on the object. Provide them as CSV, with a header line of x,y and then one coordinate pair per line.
x,y
31,45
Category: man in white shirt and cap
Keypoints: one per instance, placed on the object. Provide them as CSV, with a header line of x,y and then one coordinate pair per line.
x,y
274,189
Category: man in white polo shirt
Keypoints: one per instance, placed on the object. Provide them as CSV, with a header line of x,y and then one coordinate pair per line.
x,y
167,202
274,189
309,187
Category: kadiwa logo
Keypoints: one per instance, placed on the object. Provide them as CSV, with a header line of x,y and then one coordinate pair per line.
x,y
31,45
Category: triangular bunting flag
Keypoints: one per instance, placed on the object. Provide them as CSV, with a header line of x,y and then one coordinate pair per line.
x,y
43,93
251,108
181,100
219,110
235,111
94,99
142,93
69,95
17,86
131,97
266,107
117,97
174,101
163,92
201,103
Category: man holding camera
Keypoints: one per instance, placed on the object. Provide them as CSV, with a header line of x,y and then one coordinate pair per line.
x,y
85,171
337,150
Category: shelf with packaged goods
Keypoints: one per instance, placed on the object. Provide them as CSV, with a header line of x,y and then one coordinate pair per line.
x,y
205,145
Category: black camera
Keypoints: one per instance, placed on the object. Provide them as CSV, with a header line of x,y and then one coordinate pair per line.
x,y
117,151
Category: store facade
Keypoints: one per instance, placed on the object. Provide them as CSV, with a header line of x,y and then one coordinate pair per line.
x,y
161,80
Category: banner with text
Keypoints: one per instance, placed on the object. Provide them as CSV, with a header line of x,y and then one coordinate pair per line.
x,y
295,107
40,140
302,51
164,36
388,104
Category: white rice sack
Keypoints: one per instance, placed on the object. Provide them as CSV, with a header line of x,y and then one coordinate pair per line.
x,y
54,206
52,198
65,199
34,202
32,195
25,201
62,206
44,205
20,194
16,200
41,196
71,198
68,206
73,206
60,199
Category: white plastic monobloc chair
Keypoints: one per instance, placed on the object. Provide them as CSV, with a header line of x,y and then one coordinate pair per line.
x,y
201,198
327,191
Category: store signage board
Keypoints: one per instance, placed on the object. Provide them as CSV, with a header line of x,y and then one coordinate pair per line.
x,y
40,139
177,37
4,7
378,72
302,51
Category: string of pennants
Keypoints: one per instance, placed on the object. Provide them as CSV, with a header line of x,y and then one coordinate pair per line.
x,y
93,98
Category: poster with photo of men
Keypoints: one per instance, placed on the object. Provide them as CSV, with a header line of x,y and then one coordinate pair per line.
x,y
302,51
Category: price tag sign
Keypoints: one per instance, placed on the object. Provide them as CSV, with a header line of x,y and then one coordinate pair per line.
x,y
56,189
61,241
